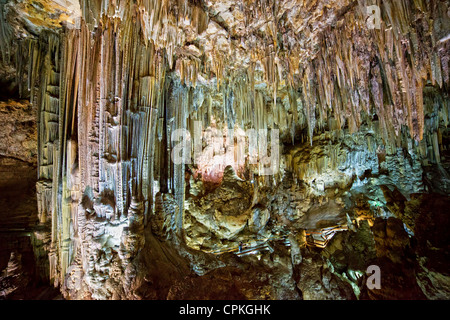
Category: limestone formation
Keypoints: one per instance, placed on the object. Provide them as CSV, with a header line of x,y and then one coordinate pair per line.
x,y
151,147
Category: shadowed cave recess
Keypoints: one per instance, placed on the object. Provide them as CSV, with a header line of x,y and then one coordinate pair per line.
x,y
222,149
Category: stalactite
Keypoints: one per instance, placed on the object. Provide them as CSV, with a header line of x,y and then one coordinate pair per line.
x,y
6,34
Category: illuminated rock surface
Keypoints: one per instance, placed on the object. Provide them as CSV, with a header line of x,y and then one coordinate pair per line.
x,y
94,95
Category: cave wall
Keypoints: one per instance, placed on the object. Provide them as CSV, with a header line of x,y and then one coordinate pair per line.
x,y
112,84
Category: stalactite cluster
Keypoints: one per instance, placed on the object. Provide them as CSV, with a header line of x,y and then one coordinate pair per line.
x,y
356,106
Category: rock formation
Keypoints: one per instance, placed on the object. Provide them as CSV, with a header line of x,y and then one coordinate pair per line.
x,y
151,148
